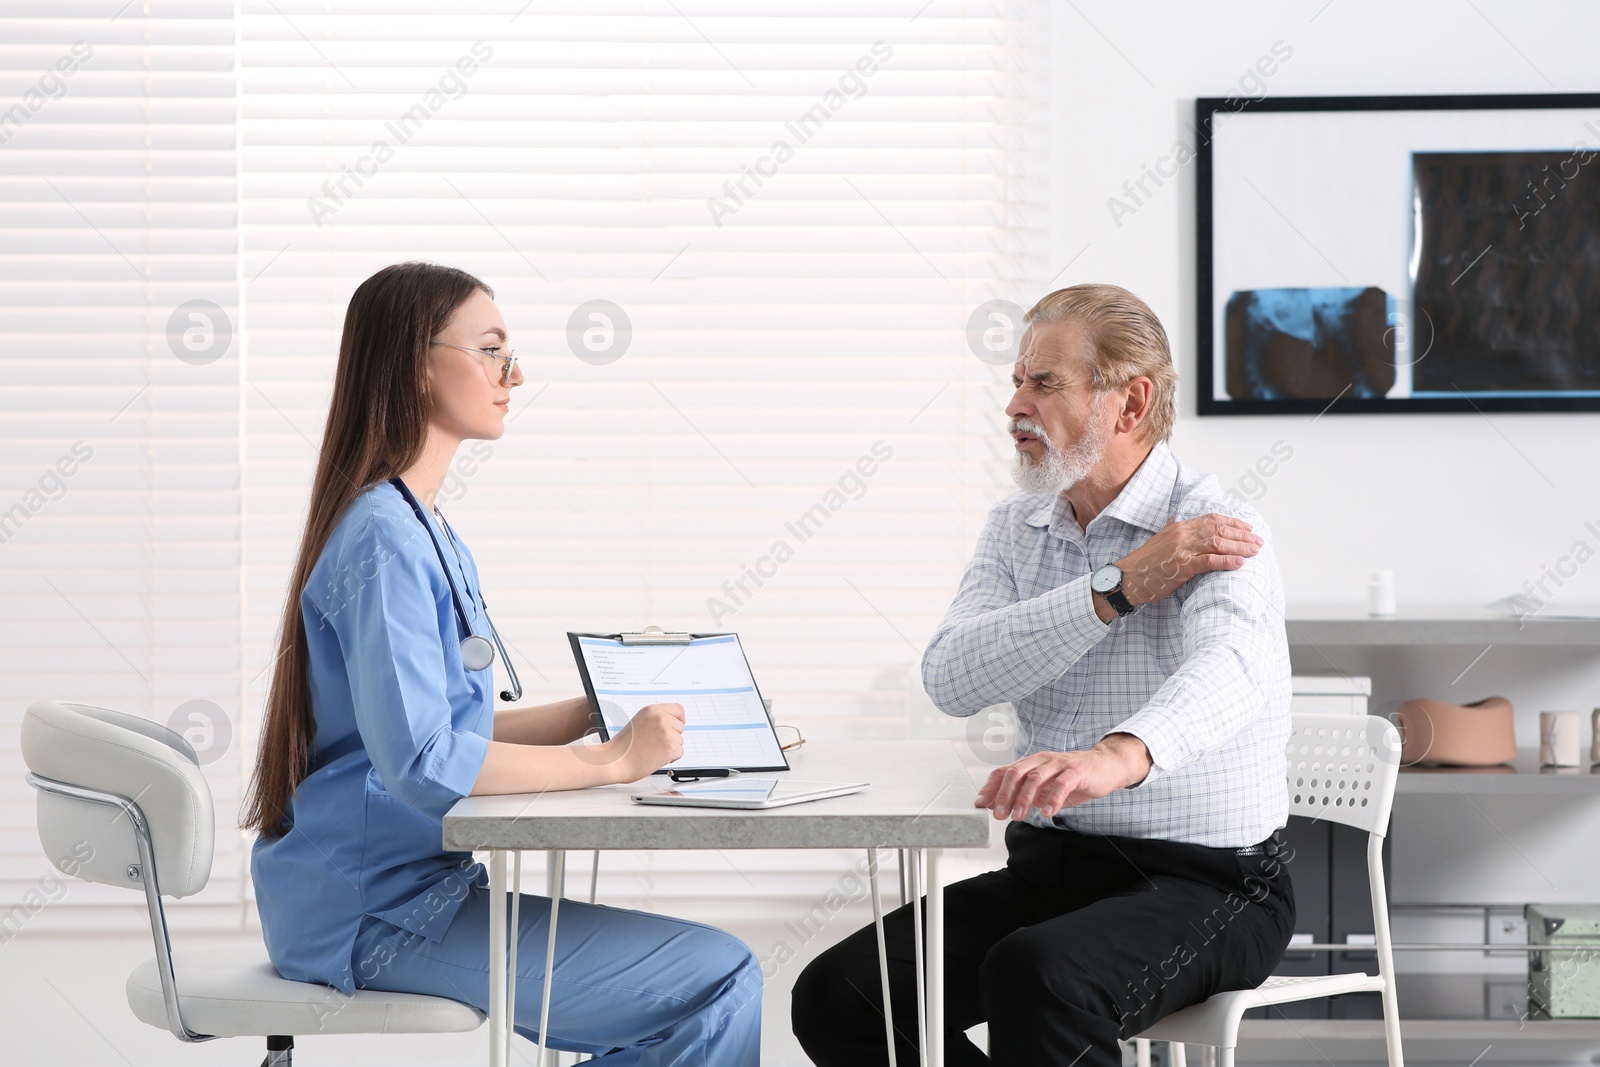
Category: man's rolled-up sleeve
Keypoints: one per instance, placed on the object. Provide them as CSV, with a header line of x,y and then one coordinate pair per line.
x,y
993,647
388,625
1231,621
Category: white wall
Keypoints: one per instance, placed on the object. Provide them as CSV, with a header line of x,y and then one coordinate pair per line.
x,y
1462,507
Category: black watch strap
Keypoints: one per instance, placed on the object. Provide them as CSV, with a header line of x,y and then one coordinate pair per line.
x,y
1119,603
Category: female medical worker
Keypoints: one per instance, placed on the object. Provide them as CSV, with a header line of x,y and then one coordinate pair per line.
x,y
376,722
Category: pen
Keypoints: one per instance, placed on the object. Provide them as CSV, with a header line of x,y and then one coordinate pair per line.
x,y
694,776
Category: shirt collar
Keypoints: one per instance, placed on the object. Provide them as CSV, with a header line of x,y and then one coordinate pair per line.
x,y
1144,502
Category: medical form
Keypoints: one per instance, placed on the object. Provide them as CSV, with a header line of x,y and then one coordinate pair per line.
x,y
725,722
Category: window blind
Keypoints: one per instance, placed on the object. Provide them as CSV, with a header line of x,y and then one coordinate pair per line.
x,y
740,251
737,248
119,412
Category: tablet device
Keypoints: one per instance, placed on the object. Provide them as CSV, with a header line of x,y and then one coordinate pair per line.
x,y
748,793
726,724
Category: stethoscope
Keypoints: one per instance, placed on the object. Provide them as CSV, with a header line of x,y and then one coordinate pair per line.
x,y
476,651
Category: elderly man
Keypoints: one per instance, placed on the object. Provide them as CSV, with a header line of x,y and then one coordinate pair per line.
x,y
1133,615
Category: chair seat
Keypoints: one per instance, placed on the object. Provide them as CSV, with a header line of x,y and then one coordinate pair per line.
x,y
236,992
1215,1021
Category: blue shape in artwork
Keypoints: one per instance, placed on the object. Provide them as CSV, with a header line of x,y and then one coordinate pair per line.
x,y
1309,343
1285,310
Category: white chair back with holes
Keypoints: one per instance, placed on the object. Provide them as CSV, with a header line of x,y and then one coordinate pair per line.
x,y
1342,768
121,800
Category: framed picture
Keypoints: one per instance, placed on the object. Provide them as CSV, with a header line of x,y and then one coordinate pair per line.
x,y
1398,253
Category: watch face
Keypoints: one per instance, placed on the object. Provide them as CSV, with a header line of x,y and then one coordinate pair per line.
x,y
1106,578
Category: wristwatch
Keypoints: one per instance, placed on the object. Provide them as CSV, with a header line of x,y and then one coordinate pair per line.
x,y
1107,581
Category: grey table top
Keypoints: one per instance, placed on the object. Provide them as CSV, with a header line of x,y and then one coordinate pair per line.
x,y
919,796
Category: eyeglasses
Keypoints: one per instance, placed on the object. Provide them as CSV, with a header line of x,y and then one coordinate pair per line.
x,y
510,357
790,738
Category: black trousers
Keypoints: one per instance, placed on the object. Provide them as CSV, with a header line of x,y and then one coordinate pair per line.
x,y
1076,942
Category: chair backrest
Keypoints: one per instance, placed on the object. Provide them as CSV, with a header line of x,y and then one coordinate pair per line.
x,y
1342,768
110,752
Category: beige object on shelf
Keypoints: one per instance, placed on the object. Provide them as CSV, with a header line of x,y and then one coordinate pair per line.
x,y
1558,739
1480,734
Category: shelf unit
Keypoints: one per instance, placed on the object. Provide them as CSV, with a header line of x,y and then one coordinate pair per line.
x,y
1522,775
1336,625
1460,1008
1452,1012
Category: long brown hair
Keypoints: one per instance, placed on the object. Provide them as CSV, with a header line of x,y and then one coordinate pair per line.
x,y
377,424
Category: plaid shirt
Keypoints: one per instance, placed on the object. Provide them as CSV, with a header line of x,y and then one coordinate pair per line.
x,y
1201,677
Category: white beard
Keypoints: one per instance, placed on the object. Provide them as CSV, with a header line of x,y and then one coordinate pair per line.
x,y
1060,469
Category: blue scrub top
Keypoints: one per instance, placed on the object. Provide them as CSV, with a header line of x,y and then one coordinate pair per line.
x,y
402,729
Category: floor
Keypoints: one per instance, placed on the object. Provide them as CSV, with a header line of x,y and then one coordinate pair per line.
x,y
65,1004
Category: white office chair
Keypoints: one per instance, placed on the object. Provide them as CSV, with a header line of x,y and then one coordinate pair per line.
x,y
1341,768
122,802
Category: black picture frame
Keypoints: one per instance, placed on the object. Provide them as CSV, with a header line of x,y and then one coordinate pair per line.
x,y
1206,111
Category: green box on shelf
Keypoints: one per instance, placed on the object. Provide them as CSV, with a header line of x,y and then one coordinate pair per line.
x,y
1564,985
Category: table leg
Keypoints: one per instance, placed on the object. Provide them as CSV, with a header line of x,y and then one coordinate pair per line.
x,y
555,873
515,939
883,955
557,876
920,956
499,1020
935,961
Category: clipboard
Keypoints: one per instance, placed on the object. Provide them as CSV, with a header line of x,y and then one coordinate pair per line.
x,y
726,723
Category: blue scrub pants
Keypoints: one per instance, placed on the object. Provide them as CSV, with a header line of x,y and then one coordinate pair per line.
x,y
630,988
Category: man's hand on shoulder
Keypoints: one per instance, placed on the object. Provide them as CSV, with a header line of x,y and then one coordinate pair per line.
x,y
1051,781
1182,550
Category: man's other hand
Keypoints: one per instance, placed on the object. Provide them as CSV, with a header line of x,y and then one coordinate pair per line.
x,y
1182,550
1051,781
